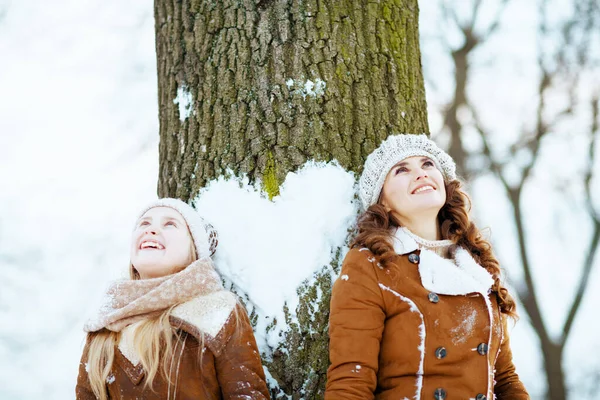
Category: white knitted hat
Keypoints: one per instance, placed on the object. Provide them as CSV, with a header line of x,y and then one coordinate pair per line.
x,y
390,152
204,235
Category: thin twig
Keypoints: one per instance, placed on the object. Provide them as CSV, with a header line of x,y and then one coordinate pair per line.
x,y
593,246
494,25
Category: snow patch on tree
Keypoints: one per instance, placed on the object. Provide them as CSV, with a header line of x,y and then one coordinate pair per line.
x,y
306,88
268,248
184,100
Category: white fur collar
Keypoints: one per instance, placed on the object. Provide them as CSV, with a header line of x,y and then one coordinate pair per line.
x,y
403,243
126,343
207,313
443,276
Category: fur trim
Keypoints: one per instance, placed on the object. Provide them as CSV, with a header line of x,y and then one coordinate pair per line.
x,y
126,345
207,313
463,276
490,369
422,336
403,243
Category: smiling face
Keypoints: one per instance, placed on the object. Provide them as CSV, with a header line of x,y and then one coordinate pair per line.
x,y
414,189
161,244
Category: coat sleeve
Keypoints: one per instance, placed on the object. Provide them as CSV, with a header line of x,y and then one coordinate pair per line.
x,y
508,385
239,367
83,390
356,323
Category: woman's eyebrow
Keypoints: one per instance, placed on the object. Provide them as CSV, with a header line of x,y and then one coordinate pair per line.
x,y
400,164
404,163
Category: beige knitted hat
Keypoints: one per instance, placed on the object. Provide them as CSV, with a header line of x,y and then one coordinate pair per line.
x,y
204,235
390,152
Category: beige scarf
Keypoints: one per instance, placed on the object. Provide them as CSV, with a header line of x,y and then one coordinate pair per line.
x,y
128,301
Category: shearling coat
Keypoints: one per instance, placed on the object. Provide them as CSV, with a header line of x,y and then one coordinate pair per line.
x,y
422,328
217,360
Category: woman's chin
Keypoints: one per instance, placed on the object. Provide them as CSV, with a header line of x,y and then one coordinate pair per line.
x,y
433,206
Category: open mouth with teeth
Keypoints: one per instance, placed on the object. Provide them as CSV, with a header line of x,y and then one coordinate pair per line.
x,y
149,244
422,189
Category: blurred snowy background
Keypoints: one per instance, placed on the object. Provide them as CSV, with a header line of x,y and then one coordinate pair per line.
x,y
79,156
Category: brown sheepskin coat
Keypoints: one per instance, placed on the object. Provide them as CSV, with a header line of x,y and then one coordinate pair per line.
x,y
226,366
422,328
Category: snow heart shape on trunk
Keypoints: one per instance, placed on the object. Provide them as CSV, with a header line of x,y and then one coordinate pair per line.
x,y
268,248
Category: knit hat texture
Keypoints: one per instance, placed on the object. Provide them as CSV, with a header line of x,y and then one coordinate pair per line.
x,y
390,152
204,235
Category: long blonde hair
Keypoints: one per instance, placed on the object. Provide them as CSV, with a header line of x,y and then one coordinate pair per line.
x,y
154,340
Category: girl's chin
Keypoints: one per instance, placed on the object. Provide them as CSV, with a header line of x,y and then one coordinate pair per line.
x,y
155,273
148,269
155,258
153,269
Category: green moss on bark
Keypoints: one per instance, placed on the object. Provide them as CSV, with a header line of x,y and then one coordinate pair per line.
x,y
270,182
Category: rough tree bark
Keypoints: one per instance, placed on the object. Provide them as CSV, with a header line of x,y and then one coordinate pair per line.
x,y
261,86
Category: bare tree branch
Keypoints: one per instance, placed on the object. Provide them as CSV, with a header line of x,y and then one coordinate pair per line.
x,y
593,246
495,166
494,25
460,57
474,13
449,13
559,69
594,133
528,296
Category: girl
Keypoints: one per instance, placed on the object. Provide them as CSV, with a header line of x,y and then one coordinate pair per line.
x,y
419,311
171,331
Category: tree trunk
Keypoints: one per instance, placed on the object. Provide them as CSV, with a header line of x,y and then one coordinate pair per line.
x,y
555,377
261,86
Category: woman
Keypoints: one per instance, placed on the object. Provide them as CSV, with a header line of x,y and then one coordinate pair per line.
x,y
419,311
171,331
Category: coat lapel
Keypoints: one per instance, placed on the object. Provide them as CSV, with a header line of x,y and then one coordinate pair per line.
x,y
135,373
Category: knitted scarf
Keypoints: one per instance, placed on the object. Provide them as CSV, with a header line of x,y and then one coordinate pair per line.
x,y
128,301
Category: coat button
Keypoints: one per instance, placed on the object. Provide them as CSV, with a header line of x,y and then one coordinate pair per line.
x,y
440,353
482,349
480,397
434,298
413,258
439,394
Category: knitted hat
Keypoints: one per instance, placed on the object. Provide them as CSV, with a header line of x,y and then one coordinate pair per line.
x,y
204,235
390,152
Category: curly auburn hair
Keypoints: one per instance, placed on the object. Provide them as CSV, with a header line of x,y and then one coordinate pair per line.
x,y
374,228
